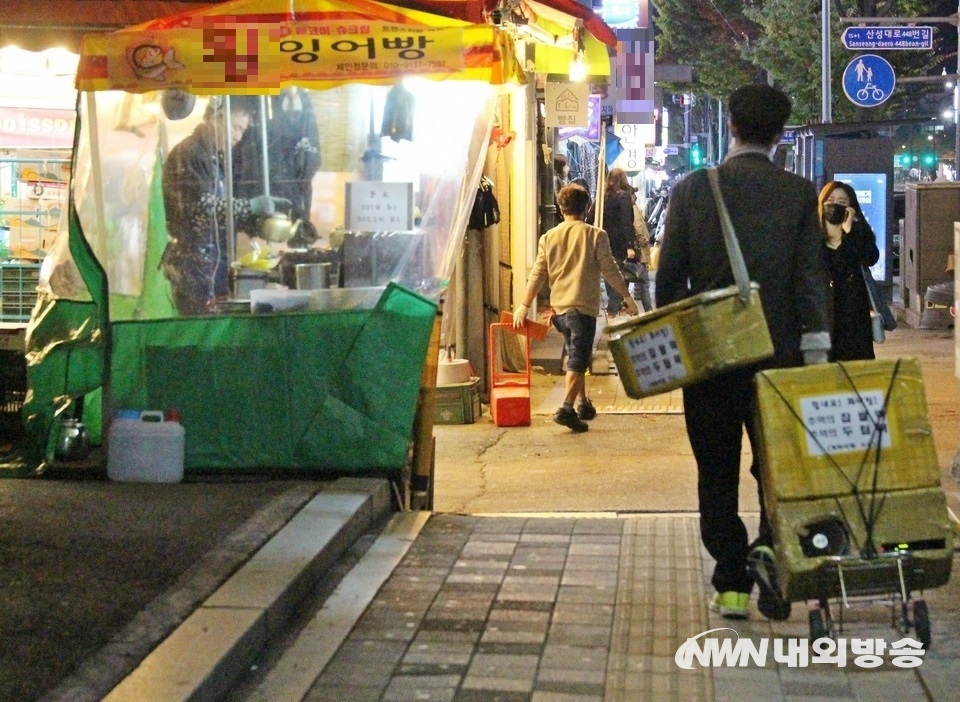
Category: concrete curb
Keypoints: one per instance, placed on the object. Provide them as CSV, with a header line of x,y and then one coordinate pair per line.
x,y
203,657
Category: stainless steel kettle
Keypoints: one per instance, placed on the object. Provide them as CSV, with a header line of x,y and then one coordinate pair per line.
x,y
73,442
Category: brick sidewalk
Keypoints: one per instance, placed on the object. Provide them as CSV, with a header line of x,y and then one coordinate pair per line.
x,y
568,609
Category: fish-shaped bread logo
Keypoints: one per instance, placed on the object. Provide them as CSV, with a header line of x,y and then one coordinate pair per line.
x,y
152,61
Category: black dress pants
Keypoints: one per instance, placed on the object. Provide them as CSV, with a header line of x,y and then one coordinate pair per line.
x,y
716,412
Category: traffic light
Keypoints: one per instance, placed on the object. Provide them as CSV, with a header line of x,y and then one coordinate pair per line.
x,y
929,160
904,160
696,156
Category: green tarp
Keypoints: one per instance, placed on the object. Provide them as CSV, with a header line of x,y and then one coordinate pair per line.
x,y
308,390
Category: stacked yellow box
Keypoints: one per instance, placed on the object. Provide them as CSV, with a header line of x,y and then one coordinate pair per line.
x,y
850,469
688,341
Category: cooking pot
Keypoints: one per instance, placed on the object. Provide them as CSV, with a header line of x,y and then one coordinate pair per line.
x,y
290,258
278,228
73,442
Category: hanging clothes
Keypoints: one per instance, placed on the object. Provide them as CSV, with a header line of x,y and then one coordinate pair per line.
x,y
293,148
583,158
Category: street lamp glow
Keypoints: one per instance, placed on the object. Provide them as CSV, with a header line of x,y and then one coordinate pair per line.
x,y
947,114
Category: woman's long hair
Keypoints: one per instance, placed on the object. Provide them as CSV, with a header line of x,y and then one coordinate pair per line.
x,y
617,181
851,195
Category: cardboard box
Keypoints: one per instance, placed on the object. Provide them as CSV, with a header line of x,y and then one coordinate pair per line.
x,y
916,521
821,427
688,341
458,403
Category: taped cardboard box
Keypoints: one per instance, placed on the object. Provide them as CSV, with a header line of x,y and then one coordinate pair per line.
x,y
688,341
812,536
833,428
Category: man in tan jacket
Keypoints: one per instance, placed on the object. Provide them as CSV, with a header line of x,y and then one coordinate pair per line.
x,y
572,257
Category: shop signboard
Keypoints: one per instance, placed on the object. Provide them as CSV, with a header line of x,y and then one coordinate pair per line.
x,y
267,55
35,127
591,131
566,104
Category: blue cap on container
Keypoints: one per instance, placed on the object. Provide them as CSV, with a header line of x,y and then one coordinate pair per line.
x,y
126,414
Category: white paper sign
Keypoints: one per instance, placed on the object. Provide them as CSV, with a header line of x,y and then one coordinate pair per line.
x,y
843,422
373,206
655,356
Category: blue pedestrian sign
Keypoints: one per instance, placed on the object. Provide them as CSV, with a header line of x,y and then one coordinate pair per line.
x,y
868,80
887,38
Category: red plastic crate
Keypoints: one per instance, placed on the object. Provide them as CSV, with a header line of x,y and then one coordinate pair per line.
x,y
509,390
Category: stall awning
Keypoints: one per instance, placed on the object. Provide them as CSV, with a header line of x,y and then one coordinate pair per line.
x,y
263,46
36,26
479,11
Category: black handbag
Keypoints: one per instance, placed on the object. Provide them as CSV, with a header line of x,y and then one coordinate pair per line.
x,y
486,210
877,303
631,270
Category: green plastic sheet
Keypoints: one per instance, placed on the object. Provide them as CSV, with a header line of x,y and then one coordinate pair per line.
x,y
309,390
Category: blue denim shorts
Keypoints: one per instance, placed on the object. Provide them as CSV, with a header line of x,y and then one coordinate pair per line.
x,y
578,331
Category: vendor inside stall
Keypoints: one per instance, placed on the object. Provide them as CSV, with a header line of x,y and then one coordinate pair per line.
x,y
196,260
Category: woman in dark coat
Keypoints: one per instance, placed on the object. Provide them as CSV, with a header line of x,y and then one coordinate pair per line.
x,y
849,245
618,223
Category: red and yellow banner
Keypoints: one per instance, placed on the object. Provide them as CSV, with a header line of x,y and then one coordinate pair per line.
x,y
244,50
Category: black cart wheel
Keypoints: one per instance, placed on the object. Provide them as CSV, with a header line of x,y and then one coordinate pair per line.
x,y
819,628
921,622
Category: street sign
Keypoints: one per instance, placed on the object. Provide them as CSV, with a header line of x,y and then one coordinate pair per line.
x,y
887,38
868,80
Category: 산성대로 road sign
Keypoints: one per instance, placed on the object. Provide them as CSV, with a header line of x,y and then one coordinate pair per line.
x,y
887,38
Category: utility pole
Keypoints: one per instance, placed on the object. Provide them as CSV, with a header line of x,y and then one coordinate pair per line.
x,y
826,89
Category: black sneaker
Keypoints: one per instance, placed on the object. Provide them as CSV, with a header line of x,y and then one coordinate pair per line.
x,y
586,410
569,418
763,568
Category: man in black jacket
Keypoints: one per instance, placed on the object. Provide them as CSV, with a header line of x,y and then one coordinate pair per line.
x,y
775,216
194,197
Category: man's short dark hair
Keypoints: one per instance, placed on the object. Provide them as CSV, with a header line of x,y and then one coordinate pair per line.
x,y
573,200
249,104
758,113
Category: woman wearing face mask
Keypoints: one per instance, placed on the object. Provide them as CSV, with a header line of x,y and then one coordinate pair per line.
x,y
849,244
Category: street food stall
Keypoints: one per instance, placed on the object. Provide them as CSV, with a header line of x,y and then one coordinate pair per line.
x,y
266,202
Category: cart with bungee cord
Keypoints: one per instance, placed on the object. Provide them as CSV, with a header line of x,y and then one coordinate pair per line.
x,y
852,491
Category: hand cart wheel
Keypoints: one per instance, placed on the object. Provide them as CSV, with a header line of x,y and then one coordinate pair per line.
x,y
921,622
819,623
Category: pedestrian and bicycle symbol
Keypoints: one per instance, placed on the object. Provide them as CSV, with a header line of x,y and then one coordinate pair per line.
x,y
868,80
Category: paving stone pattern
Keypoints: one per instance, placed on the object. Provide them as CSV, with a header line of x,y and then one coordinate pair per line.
x,y
525,610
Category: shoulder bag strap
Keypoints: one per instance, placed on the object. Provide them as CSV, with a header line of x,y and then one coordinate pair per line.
x,y
734,253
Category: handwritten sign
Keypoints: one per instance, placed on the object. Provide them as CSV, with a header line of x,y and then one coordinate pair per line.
x,y
843,422
655,356
373,206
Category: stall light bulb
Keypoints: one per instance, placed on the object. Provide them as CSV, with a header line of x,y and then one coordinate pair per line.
x,y
578,68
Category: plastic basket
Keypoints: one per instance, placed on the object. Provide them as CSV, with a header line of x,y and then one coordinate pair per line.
x,y
18,290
